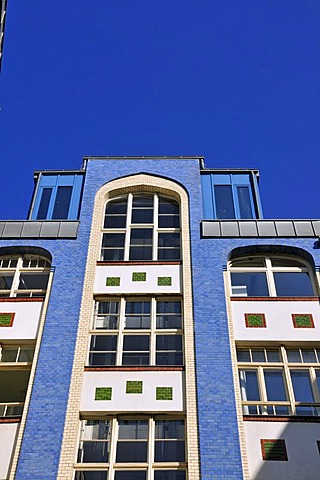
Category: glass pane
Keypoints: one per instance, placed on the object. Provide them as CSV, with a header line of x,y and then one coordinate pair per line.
x,y
293,284
137,315
169,254
243,355
169,239
251,284
294,356
133,429
62,203
117,207
142,201
224,201
26,355
103,342
96,430
169,358
169,342
141,236
131,452
9,354
113,240
33,281
287,262
91,475
169,429
244,202
142,216
249,262
169,221
14,385
275,385
115,221
318,379
102,359
301,385
168,206
127,475
258,355
169,451
140,253
273,356
136,343
6,281
93,452
309,356
44,204
170,475
108,316
112,255
169,321
249,385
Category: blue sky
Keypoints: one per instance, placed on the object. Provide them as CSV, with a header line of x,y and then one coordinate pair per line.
x,y
237,81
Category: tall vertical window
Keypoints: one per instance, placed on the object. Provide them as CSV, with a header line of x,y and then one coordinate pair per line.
x,y
141,226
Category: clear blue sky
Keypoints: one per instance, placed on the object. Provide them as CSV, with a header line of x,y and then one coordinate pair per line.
x,y
237,81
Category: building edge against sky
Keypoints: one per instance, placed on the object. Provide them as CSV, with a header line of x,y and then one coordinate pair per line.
x,y
154,326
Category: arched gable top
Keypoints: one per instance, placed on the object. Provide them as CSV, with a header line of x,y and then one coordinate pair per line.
x,y
26,250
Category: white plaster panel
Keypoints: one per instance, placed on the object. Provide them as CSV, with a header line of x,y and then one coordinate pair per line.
x,y
301,444
278,320
123,402
128,286
8,434
26,320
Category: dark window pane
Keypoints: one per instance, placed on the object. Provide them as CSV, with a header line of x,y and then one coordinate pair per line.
x,y
117,207
249,262
309,356
170,475
94,452
112,255
244,202
115,221
166,429
14,385
249,284
91,475
169,451
169,358
26,355
249,385
142,201
137,358
113,240
169,306
169,221
169,254
62,203
142,216
138,307
273,356
103,342
168,206
136,343
140,253
102,359
318,379
133,429
6,281
169,239
131,452
294,356
108,308
293,284
36,281
126,475
287,262
258,356
301,386
141,236
44,204
224,201
275,385
9,354
169,321
169,342
243,355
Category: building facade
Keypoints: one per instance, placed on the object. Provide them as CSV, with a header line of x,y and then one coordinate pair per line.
x,y
154,326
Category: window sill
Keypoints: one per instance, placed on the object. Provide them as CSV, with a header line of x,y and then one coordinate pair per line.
x,y
141,262
21,299
274,299
270,418
10,419
138,368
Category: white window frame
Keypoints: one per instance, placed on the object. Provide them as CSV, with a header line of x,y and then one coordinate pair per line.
x,y
285,366
152,332
150,466
269,270
20,269
131,226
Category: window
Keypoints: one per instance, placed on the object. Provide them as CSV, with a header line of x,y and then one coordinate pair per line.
x,y
279,381
57,197
141,226
132,448
23,276
228,196
137,331
16,353
261,276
